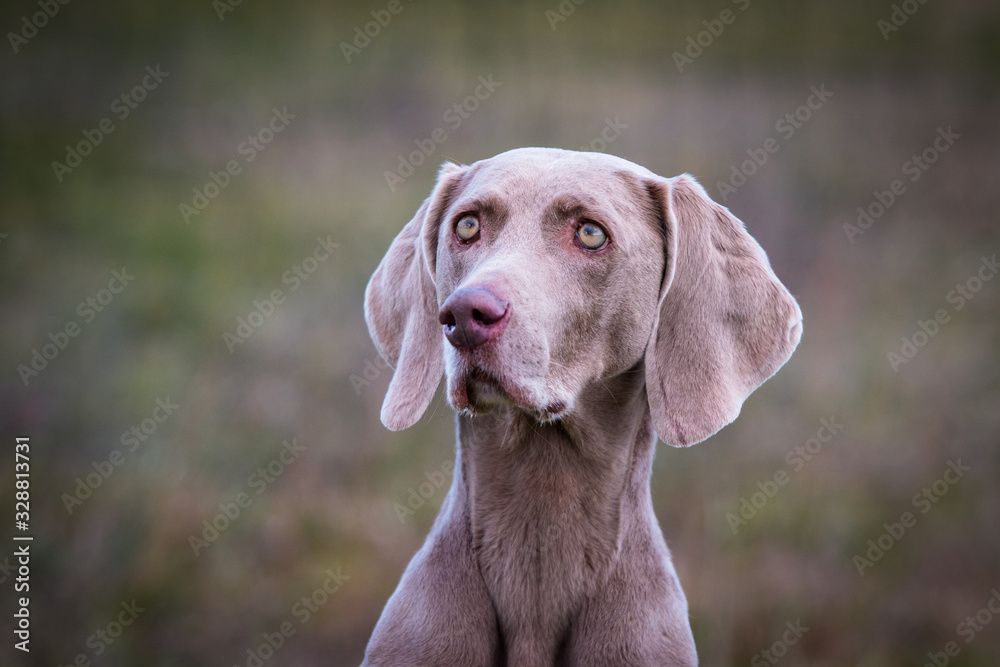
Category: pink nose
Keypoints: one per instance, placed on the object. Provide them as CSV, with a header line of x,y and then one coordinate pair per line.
x,y
473,316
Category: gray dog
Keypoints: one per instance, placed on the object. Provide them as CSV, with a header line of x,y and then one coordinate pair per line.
x,y
579,305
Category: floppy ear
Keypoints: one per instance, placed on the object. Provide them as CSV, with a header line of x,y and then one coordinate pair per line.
x,y
725,323
401,311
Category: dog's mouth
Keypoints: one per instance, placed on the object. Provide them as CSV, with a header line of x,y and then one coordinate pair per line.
x,y
483,388
479,390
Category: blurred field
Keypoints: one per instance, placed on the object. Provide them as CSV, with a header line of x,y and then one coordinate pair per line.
x,y
327,514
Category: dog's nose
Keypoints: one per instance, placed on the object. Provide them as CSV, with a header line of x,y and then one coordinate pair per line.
x,y
473,316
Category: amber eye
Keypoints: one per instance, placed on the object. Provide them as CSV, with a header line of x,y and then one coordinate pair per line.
x,y
590,236
467,228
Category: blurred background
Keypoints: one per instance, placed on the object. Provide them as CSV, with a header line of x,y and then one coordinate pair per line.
x,y
194,194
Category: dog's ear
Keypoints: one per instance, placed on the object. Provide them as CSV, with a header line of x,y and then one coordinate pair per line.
x,y
401,310
725,324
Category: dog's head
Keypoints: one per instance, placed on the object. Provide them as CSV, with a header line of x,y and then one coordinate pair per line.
x,y
530,275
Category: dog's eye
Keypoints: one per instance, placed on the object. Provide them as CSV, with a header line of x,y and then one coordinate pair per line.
x,y
590,236
467,228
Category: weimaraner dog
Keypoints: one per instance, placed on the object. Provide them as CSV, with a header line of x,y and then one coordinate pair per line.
x,y
579,306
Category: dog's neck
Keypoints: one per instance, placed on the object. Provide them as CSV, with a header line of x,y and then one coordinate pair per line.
x,y
548,503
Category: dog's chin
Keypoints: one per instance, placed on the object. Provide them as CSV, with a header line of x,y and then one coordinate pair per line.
x,y
478,392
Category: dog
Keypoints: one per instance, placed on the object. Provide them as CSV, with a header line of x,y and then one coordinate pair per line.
x,y
578,306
